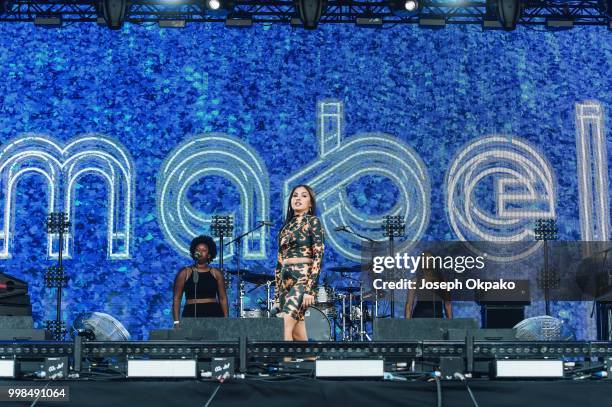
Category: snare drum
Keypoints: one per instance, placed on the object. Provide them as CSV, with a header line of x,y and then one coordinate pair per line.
x,y
318,326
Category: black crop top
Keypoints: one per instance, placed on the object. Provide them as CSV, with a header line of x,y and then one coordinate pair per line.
x,y
205,288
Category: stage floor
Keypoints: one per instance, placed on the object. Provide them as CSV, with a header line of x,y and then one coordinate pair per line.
x,y
296,392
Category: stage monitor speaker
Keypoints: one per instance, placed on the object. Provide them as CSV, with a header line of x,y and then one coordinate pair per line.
x,y
19,328
219,329
501,316
16,322
482,334
419,329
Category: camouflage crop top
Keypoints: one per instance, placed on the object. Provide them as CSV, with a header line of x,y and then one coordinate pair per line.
x,y
303,236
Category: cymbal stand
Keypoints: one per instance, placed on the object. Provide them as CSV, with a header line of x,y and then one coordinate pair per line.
x,y
363,238
343,296
238,241
268,298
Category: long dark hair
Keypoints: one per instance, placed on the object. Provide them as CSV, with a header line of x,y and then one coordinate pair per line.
x,y
313,203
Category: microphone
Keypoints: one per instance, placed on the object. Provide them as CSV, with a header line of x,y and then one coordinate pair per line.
x,y
197,255
274,311
341,228
265,222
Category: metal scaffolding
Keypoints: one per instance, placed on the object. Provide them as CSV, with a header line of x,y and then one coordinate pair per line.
x,y
373,13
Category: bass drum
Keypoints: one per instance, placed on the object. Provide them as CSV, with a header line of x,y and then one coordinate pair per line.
x,y
318,327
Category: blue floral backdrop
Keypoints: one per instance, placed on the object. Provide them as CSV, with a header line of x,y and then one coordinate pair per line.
x,y
151,88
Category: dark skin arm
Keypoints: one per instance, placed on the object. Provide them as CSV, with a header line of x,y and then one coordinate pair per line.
x,y
179,285
221,287
448,306
409,304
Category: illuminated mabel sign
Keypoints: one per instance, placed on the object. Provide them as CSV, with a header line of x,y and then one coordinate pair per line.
x,y
206,155
61,167
342,162
523,190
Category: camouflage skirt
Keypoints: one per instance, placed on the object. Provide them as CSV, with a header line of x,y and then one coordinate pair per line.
x,y
292,289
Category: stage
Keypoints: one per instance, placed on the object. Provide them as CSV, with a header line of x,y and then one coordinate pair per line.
x,y
296,392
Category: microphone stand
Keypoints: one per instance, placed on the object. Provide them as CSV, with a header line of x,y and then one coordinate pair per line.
x,y
238,241
196,277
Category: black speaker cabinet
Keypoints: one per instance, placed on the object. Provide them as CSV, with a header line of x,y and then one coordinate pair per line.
x,y
418,329
219,329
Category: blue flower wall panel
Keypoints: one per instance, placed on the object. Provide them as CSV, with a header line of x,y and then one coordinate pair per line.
x,y
151,89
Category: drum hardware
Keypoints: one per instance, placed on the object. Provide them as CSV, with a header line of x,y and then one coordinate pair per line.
x,y
324,294
238,241
253,313
268,298
346,269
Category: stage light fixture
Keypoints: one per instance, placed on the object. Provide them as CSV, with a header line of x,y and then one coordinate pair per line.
x,y
310,12
48,21
509,13
405,8
172,23
559,23
239,21
114,13
218,7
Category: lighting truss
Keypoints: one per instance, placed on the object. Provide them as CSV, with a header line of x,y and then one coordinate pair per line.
x,y
535,12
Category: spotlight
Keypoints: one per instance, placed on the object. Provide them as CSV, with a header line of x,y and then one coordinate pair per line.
x,y
410,5
405,8
310,12
114,13
508,13
218,7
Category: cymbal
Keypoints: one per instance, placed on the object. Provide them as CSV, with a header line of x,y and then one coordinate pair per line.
x,y
345,269
235,271
348,289
258,279
373,294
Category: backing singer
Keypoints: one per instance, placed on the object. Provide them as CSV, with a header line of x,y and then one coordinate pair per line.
x,y
204,286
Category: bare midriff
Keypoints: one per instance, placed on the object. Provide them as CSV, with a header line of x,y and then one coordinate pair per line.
x,y
202,301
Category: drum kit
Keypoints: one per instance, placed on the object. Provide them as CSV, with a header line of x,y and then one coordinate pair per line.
x,y
339,313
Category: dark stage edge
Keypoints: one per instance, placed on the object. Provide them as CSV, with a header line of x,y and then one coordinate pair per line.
x,y
320,393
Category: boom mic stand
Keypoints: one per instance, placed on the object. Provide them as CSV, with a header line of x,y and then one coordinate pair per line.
x,y
238,241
